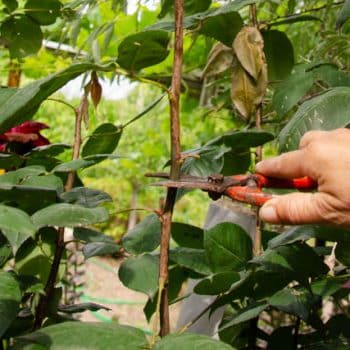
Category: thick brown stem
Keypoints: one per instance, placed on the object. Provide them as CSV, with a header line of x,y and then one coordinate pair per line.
x,y
174,172
14,75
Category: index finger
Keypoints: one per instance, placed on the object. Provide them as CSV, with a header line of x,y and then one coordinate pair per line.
x,y
288,165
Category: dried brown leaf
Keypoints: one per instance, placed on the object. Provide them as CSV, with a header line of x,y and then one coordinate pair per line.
x,y
219,60
83,109
249,49
247,93
95,89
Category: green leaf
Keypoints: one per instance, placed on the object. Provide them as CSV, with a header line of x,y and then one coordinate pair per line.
x,y
100,249
306,232
72,165
177,276
190,6
326,286
22,196
293,301
77,308
314,114
227,247
144,237
140,273
22,34
190,341
279,54
20,104
331,75
216,284
49,181
290,91
143,49
51,150
342,251
68,215
16,177
16,224
298,260
36,259
86,197
295,18
187,235
246,314
43,12
5,250
83,335
10,298
193,259
104,140
88,235
343,15
223,27
10,161
10,4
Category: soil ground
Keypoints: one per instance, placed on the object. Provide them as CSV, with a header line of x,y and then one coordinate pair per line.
x,y
103,287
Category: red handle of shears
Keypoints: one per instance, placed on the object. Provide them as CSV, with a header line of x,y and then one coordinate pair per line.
x,y
255,196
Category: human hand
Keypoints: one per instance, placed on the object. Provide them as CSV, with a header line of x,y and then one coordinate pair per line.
x,y
325,157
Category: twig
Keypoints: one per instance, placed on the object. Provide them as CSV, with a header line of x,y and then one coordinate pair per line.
x,y
42,309
296,333
166,217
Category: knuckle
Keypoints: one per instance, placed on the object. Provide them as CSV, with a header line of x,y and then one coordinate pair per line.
x,y
308,137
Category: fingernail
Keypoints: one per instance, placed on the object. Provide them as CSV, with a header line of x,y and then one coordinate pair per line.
x,y
268,213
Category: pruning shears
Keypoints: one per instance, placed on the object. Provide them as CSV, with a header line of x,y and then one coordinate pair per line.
x,y
246,188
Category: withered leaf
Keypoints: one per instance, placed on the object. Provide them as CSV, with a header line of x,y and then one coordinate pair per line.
x,y
219,60
95,89
83,109
249,49
247,93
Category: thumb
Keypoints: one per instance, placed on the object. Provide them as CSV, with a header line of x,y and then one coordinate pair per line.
x,y
294,208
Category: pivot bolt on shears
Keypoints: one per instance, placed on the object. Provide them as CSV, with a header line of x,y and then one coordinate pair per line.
x,y
246,188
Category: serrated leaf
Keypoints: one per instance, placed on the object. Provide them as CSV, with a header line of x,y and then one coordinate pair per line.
x,y
306,232
193,259
140,273
143,49
104,140
10,298
190,341
89,235
100,249
14,221
73,165
86,335
86,197
297,261
246,314
223,27
279,54
227,246
342,251
22,34
216,284
68,215
43,12
293,301
144,237
314,115
187,235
